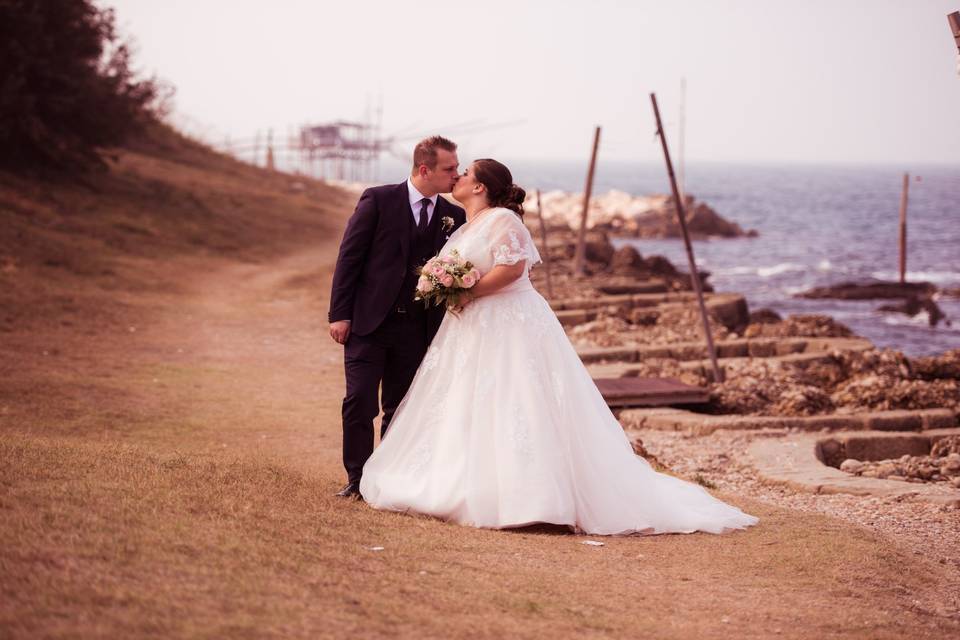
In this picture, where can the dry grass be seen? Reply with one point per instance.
(175, 480)
(115, 540)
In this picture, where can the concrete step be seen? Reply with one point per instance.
(694, 354)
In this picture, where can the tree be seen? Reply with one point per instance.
(67, 91)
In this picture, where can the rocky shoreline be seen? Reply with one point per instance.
(622, 214)
(838, 382)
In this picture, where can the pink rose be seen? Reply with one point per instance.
(437, 270)
(447, 260)
(446, 280)
(475, 274)
(424, 285)
(468, 280)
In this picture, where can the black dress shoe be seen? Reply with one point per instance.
(352, 490)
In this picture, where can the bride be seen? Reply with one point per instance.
(502, 425)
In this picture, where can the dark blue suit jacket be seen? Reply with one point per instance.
(373, 257)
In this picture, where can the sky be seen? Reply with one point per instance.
(818, 81)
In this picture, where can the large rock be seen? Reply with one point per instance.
(704, 221)
(765, 316)
(875, 290)
(730, 310)
(640, 216)
(627, 261)
(597, 248)
(660, 266)
(946, 366)
(851, 466)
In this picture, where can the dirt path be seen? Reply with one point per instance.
(239, 366)
(250, 362)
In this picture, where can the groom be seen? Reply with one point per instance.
(393, 231)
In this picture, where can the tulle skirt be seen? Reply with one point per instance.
(503, 427)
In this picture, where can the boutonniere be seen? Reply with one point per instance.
(447, 223)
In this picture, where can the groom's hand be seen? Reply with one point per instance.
(340, 330)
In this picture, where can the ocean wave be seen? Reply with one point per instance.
(736, 271)
(936, 277)
(777, 269)
(920, 321)
(762, 272)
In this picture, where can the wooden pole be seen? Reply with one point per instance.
(681, 215)
(681, 140)
(545, 254)
(270, 161)
(580, 259)
(903, 228)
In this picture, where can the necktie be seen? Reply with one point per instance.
(422, 222)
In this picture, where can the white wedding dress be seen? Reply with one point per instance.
(503, 426)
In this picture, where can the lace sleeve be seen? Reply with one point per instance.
(510, 241)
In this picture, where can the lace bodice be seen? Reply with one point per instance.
(497, 236)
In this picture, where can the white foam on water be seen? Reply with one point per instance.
(936, 277)
(783, 267)
(922, 319)
(736, 271)
(825, 265)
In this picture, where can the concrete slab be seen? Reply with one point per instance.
(791, 461)
(703, 424)
(877, 445)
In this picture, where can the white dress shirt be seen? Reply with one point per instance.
(415, 198)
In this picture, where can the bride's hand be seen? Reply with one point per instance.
(465, 300)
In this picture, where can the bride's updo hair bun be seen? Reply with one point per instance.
(501, 192)
(515, 197)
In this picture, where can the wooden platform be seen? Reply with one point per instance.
(649, 392)
(615, 287)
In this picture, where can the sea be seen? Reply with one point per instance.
(817, 225)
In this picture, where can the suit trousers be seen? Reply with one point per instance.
(387, 358)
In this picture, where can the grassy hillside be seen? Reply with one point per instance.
(67, 248)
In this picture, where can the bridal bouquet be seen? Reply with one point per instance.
(446, 280)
